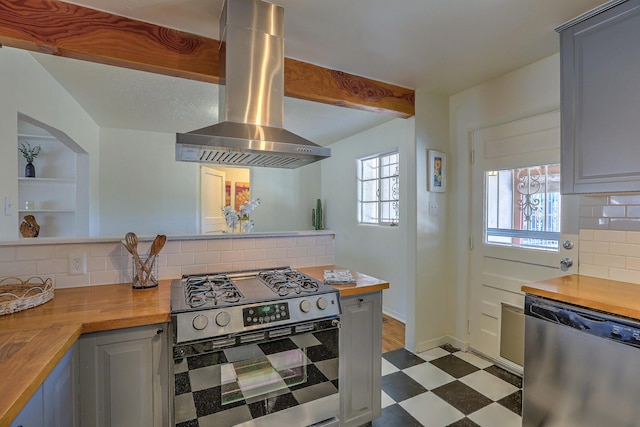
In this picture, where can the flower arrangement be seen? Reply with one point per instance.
(243, 217)
(28, 152)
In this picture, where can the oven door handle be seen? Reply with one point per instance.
(252, 337)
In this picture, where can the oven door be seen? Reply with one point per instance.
(284, 375)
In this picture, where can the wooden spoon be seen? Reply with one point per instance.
(156, 247)
(132, 246)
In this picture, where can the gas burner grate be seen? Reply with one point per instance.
(287, 281)
(210, 290)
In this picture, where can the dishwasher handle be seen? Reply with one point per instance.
(592, 323)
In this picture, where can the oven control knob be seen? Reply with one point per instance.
(223, 318)
(200, 322)
(305, 306)
(322, 303)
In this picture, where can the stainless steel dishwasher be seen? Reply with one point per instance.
(581, 367)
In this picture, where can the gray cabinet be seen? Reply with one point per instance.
(124, 377)
(32, 414)
(54, 404)
(600, 65)
(360, 358)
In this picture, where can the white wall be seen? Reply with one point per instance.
(525, 92)
(378, 251)
(26, 88)
(430, 312)
(287, 197)
(142, 188)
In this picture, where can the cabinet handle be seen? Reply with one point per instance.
(360, 299)
(160, 331)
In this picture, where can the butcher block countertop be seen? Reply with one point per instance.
(32, 342)
(614, 297)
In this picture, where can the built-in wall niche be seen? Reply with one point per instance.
(58, 195)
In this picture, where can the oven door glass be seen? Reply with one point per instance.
(250, 381)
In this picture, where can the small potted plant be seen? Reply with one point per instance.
(29, 153)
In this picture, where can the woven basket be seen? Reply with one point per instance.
(17, 294)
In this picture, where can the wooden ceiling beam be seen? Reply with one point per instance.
(64, 29)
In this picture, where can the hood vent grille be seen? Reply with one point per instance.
(252, 65)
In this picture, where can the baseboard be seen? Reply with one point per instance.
(437, 342)
(391, 313)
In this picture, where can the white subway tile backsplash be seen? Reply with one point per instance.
(7, 254)
(52, 266)
(109, 262)
(297, 252)
(632, 263)
(220, 245)
(231, 256)
(306, 262)
(27, 253)
(277, 253)
(244, 265)
(633, 237)
(610, 211)
(194, 246)
(285, 242)
(586, 234)
(325, 260)
(587, 258)
(624, 249)
(255, 254)
(180, 259)
(594, 223)
(593, 200)
(325, 240)
(624, 224)
(105, 277)
(610, 260)
(306, 241)
(172, 247)
(315, 250)
(96, 263)
(17, 268)
(594, 270)
(195, 268)
(171, 272)
(266, 243)
(623, 275)
(585, 211)
(633, 211)
(207, 257)
(595, 247)
(624, 199)
(609, 236)
(241, 244)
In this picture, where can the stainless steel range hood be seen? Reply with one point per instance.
(252, 65)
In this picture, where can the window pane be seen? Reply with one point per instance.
(370, 212)
(523, 207)
(369, 169)
(379, 189)
(369, 191)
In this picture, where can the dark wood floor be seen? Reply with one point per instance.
(392, 334)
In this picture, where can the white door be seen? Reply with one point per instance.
(212, 185)
(519, 225)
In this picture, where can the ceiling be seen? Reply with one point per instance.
(442, 46)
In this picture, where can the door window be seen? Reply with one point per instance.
(523, 207)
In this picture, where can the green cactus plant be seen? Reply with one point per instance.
(316, 216)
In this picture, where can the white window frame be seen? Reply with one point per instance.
(390, 203)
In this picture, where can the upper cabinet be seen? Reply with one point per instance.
(600, 78)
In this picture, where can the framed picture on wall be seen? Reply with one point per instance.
(436, 171)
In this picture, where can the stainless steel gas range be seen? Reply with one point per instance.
(255, 348)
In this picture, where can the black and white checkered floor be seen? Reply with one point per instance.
(447, 387)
